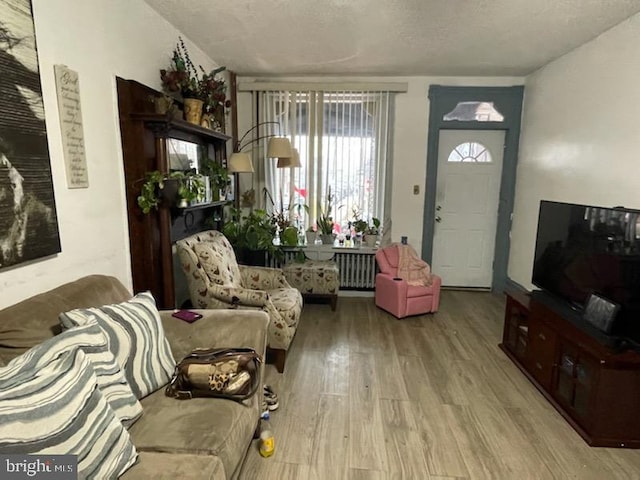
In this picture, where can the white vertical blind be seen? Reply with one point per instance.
(342, 138)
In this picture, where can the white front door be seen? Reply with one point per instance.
(467, 194)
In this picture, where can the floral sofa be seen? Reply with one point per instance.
(215, 280)
(201, 438)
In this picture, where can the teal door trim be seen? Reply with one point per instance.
(508, 101)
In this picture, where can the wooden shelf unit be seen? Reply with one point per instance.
(592, 384)
(151, 236)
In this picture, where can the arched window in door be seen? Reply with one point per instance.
(470, 152)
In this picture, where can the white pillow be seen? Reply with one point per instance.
(136, 338)
(93, 342)
(58, 410)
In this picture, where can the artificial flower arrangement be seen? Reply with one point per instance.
(195, 82)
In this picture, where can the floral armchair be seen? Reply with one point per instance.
(215, 280)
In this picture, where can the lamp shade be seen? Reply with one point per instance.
(240, 162)
(279, 147)
(293, 162)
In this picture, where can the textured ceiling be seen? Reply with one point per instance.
(391, 37)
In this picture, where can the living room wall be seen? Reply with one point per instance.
(410, 133)
(579, 135)
(99, 40)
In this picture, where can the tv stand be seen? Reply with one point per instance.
(592, 384)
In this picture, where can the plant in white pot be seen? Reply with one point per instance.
(360, 226)
(311, 235)
(325, 220)
(371, 232)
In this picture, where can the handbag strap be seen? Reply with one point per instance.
(214, 354)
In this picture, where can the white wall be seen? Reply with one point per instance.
(99, 40)
(580, 132)
(409, 140)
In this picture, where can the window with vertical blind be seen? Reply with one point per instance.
(342, 138)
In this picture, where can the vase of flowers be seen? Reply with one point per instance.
(201, 91)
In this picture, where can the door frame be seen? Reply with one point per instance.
(507, 101)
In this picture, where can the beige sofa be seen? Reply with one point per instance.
(202, 438)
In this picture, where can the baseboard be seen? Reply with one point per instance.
(356, 293)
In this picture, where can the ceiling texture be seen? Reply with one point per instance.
(391, 37)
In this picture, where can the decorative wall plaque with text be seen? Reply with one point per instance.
(68, 88)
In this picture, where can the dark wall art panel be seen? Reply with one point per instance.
(28, 223)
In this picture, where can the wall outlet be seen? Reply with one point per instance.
(416, 189)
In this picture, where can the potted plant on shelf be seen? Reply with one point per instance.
(371, 232)
(359, 226)
(311, 235)
(289, 236)
(175, 188)
(218, 178)
(191, 190)
(325, 227)
(325, 220)
(280, 214)
(198, 87)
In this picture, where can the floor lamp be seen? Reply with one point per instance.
(240, 162)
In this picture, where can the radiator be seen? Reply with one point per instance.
(357, 268)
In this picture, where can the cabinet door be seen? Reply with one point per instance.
(516, 328)
(541, 352)
(575, 380)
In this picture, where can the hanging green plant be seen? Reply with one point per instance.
(190, 188)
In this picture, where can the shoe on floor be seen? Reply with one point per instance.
(272, 404)
(270, 398)
(268, 392)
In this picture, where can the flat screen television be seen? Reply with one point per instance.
(585, 250)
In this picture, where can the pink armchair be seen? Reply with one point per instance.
(395, 295)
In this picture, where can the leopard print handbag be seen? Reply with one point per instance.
(231, 373)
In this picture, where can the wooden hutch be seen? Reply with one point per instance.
(146, 141)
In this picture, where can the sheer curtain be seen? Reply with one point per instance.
(343, 142)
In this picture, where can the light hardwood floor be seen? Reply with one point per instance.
(365, 396)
